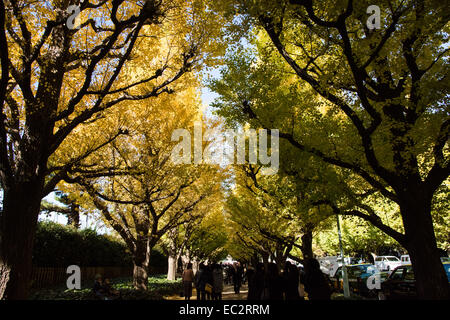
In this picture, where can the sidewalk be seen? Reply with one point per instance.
(227, 294)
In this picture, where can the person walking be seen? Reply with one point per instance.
(188, 278)
(199, 282)
(244, 274)
(229, 274)
(217, 275)
(110, 292)
(315, 282)
(274, 283)
(291, 282)
(237, 277)
(208, 279)
(98, 288)
(249, 274)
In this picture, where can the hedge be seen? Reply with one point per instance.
(60, 246)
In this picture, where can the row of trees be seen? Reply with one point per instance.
(362, 113)
(73, 109)
(367, 107)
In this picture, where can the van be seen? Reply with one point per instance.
(405, 259)
(387, 263)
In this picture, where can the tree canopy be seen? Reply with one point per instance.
(93, 92)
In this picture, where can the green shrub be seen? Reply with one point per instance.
(60, 246)
(158, 262)
(158, 287)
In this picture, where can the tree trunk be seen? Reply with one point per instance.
(18, 226)
(280, 258)
(265, 258)
(185, 261)
(73, 218)
(306, 248)
(141, 261)
(195, 265)
(254, 260)
(140, 276)
(431, 279)
(172, 270)
(279, 262)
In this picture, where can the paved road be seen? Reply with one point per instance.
(227, 294)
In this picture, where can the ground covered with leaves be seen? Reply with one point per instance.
(158, 287)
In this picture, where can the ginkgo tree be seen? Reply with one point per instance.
(149, 195)
(64, 206)
(208, 239)
(372, 102)
(201, 237)
(255, 218)
(279, 208)
(174, 245)
(59, 72)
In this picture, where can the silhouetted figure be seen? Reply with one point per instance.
(208, 279)
(244, 274)
(274, 283)
(229, 274)
(226, 276)
(249, 274)
(256, 283)
(98, 288)
(188, 278)
(316, 284)
(237, 277)
(217, 276)
(200, 283)
(110, 292)
(291, 281)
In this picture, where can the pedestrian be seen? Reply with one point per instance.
(274, 283)
(316, 284)
(208, 279)
(291, 281)
(188, 278)
(98, 288)
(244, 274)
(237, 277)
(110, 292)
(229, 272)
(217, 282)
(250, 275)
(199, 282)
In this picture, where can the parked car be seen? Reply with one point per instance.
(405, 259)
(325, 271)
(401, 283)
(357, 278)
(387, 263)
(295, 263)
(332, 265)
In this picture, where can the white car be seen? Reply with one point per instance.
(329, 265)
(325, 270)
(295, 263)
(405, 259)
(387, 263)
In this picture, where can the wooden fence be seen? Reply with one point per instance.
(47, 277)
